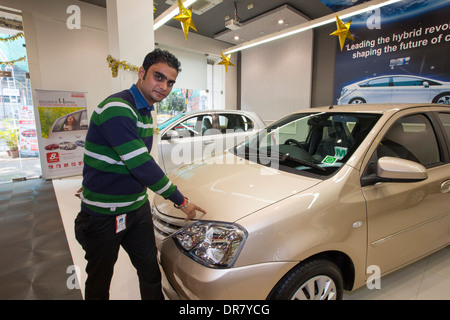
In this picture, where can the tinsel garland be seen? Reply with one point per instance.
(13, 62)
(115, 64)
(13, 38)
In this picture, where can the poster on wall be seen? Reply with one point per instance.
(399, 54)
(28, 142)
(64, 124)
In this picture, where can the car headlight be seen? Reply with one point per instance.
(343, 91)
(212, 244)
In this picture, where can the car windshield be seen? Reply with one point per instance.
(170, 121)
(313, 143)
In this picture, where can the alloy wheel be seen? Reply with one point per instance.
(317, 288)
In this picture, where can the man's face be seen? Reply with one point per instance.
(158, 82)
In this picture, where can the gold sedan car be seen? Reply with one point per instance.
(311, 205)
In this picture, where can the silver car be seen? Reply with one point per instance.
(396, 89)
(311, 205)
(196, 135)
(67, 145)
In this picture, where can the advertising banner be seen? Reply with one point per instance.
(64, 124)
(27, 128)
(399, 55)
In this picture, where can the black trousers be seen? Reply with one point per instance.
(97, 235)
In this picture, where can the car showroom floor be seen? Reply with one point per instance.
(39, 253)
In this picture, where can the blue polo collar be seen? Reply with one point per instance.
(139, 99)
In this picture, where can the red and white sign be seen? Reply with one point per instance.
(64, 124)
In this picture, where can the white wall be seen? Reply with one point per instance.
(193, 68)
(198, 46)
(276, 77)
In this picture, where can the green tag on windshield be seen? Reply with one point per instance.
(329, 160)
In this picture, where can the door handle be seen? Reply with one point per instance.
(208, 142)
(445, 186)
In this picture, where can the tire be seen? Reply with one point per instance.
(357, 101)
(443, 98)
(317, 279)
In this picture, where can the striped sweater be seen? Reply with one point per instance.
(118, 166)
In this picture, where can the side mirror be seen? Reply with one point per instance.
(169, 135)
(426, 84)
(390, 169)
(400, 169)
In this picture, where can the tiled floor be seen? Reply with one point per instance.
(426, 279)
(33, 247)
(35, 253)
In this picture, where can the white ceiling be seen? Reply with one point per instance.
(212, 22)
(264, 24)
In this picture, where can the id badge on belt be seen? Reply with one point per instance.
(121, 222)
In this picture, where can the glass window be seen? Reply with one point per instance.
(381, 82)
(312, 143)
(208, 127)
(445, 119)
(432, 83)
(18, 141)
(84, 122)
(71, 122)
(195, 126)
(407, 81)
(190, 127)
(58, 125)
(234, 122)
(411, 138)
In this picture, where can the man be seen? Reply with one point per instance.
(118, 168)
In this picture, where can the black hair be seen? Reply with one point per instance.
(159, 55)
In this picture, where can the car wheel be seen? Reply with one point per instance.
(318, 279)
(357, 101)
(443, 98)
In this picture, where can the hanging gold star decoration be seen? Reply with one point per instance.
(185, 17)
(226, 61)
(343, 31)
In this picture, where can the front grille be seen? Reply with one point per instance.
(166, 226)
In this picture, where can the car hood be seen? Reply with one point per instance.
(229, 187)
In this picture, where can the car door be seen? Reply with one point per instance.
(410, 89)
(443, 115)
(185, 140)
(212, 138)
(407, 220)
(377, 90)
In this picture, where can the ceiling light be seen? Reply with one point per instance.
(281, 21)
(343, 14)
(236, 38)
(170, 13)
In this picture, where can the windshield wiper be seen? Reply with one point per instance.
(282, 157)
(285, 156)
